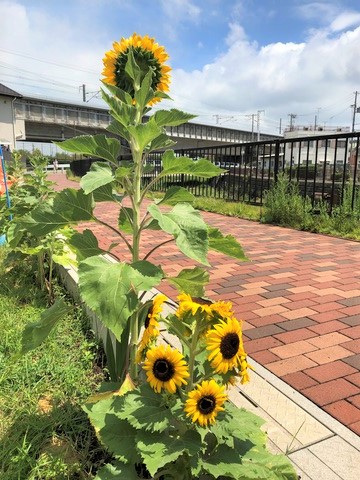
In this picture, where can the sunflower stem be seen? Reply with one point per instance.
(137, 155)
(192, 355)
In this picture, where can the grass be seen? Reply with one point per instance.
(44, 434)
(71, 176)
(231, 209)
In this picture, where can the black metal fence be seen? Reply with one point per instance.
(324, 167)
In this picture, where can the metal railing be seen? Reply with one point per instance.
(322, 166)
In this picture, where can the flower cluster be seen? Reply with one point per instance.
(213, 354)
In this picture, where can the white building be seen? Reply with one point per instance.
(318, 150)
(9, 128)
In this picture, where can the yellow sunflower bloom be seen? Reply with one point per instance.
(148, 55)
(223, 309)
(151, 324)
(205, 402)
(187, 305)
(165, 368)
(225, 344)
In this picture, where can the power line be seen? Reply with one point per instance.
(62, 65)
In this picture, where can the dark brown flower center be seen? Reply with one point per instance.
(229, 345)
(163, 369)
(206, 404)
(147, 319)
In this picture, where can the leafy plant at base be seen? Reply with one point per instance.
(148, 426)
(141, 428)
(28, 191)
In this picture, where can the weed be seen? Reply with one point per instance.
(44, 434)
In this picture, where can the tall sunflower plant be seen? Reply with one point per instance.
(166, 415)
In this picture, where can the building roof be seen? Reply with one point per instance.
(7, 92)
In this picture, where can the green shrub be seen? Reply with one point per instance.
(284, 204)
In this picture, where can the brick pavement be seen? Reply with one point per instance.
(298, 297)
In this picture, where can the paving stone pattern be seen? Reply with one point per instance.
(298, 296)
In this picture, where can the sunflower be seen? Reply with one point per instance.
(225, 344)
(148, 55)
(151, 324)
(222, 309)
(165, 368)
(187, 305)
(204, 402)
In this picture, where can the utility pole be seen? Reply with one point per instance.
(258, 123)
(252, 116)
(292, 117)
(280, 126)
(226, 118)
(316, 118)
(355, 111)
(83, 88)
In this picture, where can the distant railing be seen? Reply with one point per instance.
(323, 167)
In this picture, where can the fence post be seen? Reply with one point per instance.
(276, 160)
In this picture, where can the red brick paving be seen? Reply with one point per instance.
(299, 295)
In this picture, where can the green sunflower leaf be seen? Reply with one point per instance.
(120, 109)
(100, 174)
(85, 244)
(163, 95)
(145, 133)
(14, 234)
(243, 424)
(122, 172)
(126, 216)
(200, 168)
(275, 467)
(70, 206)
(145, 409)
(120, 94)
(145, 93)
(104, 194)
(107, 289)
(158, 450)
(176, 195)
(35, 333)
(96, 145)
(225, 461)
(191, 281)
(119, 129)
(225, 244)
(172, 118)
(117, 435)
(117, 471)
(187, 227)
(150, 274)
(111, 289)
(97, 411)
(131, 67)
(162, 141)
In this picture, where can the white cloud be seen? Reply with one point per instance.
(323, 11)
(30, 34)
(179, 10)
(345, 20)
(236, 34)
(279, 78)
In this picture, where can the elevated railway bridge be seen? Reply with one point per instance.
(43, 120)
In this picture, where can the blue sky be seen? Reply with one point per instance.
(230, 58)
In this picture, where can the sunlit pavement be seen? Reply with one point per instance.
(298, 297)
